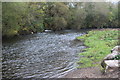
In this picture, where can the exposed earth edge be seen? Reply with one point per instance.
(93, 72)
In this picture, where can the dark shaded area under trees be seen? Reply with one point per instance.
(19, 18)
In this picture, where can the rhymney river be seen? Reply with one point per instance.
(41, 55)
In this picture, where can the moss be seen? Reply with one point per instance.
(100, 42)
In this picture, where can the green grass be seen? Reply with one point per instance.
(100, 43)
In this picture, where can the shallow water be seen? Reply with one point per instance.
(41, 55)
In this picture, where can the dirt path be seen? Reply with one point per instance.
(93, 72)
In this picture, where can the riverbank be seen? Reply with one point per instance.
(93, 72)
(99, 43)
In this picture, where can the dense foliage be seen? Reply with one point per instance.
(99, 45)
(24, 18)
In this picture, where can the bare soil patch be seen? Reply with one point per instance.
(93, 72)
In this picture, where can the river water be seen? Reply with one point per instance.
(41, 55)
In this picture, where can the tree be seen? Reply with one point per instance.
(34, 19)
(56, 16)
(12, 17)
(22, 18)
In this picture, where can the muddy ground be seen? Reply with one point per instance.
(93, 72)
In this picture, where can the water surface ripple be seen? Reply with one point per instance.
(41, 55)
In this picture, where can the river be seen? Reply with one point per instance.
(41, 55)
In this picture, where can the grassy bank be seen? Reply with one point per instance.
(99, 43)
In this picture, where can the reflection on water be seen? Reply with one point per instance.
(41, 55)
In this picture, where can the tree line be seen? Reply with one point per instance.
(19, 18)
